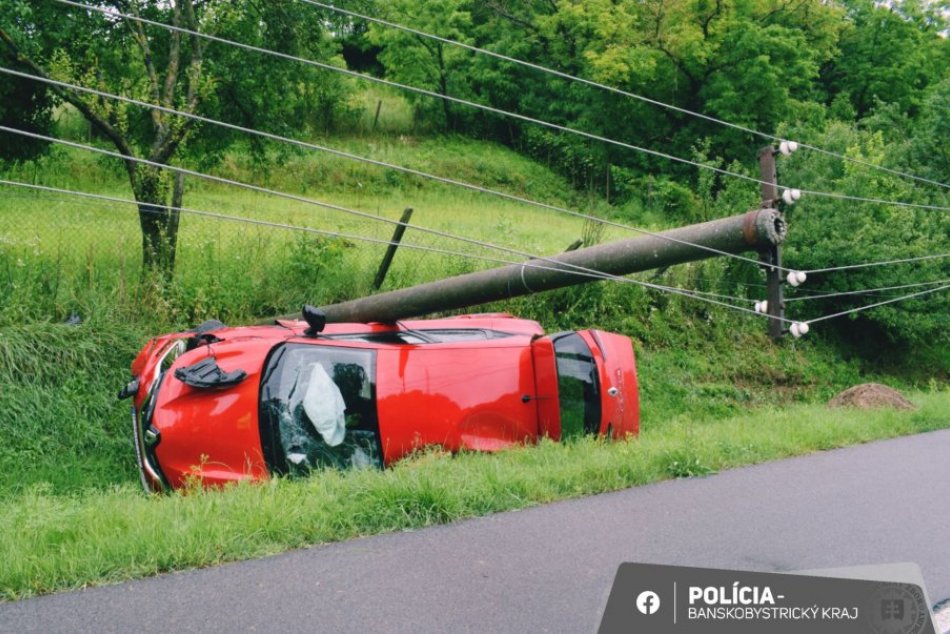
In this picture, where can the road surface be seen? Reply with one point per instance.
(550, 568)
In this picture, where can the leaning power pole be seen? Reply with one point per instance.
(759, 230)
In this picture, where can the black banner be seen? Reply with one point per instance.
(660, 599)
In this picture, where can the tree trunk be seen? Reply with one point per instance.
(159, 222)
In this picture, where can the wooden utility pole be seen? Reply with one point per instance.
(758, 230)
(772, 255)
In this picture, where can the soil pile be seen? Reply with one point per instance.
(871, 396)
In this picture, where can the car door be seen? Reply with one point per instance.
(478, 396)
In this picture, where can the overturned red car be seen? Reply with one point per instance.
(222, 404)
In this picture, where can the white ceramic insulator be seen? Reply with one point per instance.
(801, 276)
(799, 329)
(792, 278)
(784, 148)
(787, 197)
(796, 194)
(792, 146)
(762, 307)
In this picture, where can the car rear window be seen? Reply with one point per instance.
(578, 386)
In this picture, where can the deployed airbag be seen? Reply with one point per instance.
(324, 406)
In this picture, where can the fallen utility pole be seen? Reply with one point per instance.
(758, 230)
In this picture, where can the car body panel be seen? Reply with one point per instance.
(620, 401)
(456, 397)
(545, 381)
(475, 382)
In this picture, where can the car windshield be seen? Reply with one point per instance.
(318, 409)
(577, 385)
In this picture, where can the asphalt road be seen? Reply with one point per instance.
(550, 568)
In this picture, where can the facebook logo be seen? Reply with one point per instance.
(648, 602)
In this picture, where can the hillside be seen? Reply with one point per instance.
(79, 258)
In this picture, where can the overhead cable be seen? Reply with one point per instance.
(580, 271)
(833, 294)
(865, 265)
(870, 306)
(612, 89)
(491, 109)
(378, 163)
(557, 265)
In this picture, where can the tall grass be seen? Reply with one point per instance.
(53, 542)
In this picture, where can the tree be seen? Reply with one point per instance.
(828, 232)
(26, 105)
(889, 53)
(178, 70)
(752, 62)
(423, 62)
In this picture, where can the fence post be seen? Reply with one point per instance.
(391, 249)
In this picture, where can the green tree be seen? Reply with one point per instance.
(26, 105)
(928, 145)
(175, 70)
(423, 62)
(752, 62)
(890, 53)
(828, 232)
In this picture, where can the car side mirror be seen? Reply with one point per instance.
(315, 318)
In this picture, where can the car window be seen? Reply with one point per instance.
(318, 409)
(578, 386)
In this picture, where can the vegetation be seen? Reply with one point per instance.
(76, 303)
(56, 542)
(171, 69)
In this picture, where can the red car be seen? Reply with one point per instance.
(223, 404)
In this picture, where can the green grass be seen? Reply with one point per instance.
(53, 542)
(715, 392)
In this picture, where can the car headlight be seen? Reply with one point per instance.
(147, 436)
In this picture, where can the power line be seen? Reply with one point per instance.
(580, 271)
(415, 89)
(612, 89)
(884, 263)
(731, 298)
(874, 201)
(378, 163)
(889, 301)
(219, 179)
(254, 221)
(491, 109)
(832, 294)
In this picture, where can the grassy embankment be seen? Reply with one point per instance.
(715, 392)
(53, 542)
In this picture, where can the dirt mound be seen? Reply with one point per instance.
(871, 396)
